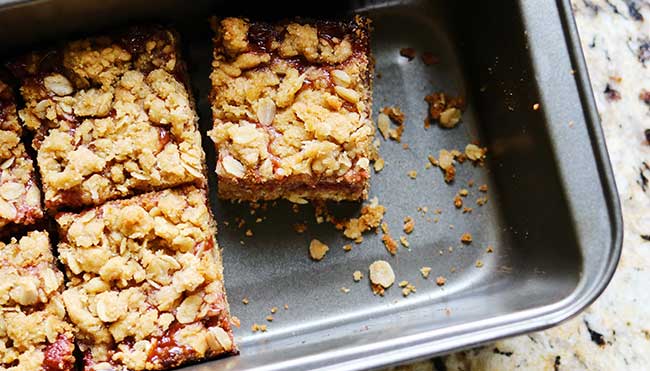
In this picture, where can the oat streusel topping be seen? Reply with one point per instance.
(112, 117)
(20, 198)
(291, 104)
(34, 334)
(146, 286)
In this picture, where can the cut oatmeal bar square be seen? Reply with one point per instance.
(112, 117)
(20, 198)
(146, 286)
(34, 332)
(291, 104)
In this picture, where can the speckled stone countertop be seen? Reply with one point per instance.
(614, 333)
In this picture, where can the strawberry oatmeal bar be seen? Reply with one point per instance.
(291, 103)
(112, 117)
(20, 198)
(34, 334)
(146, 287)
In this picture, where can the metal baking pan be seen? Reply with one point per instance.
(553, 214)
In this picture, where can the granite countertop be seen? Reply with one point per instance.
(614, 332)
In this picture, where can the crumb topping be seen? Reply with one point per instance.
(146, 280)
(30, 294)
(292, 107)
(111, 117)
(20, 198)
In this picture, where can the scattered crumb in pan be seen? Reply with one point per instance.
(475, 153)
(470, 183)
(383, 124)
(249, 233)
(274, 310)
(425, 271)
(409, 224)
(390, 243)
(263, 328)
(446, 160)
(234, 320)
(463, 192)
(245, 301)
(481, 201)
(269, 318)
(347, 247)
(428, 58)
(437, 211)
(345, 290)
(479, 263)
(395, 114)
(357, 276)
(405, 146)
(379, 165)
(317, 249)
(445, 109)
(407, 53)
(255, 328)
(384, 227)
(407, 289)
(286, 307)
(259, 220)
(371, 216)
(467, 210)
(489, 249)
(535, 106)
(381, 276)
(483, 188)
(404, 241)
(440, 281)
(450, 249)
(466, 238)
(458, 202)
(300, 227)
(412, 174)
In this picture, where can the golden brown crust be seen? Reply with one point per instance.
(146, 285)
(20, 198)
(112, 117)
(34, 333)
(291, 104)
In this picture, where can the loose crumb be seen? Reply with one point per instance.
(481, 201)
(286, 307)
(408, 289)
(535, 106)
(412, 174)
(395, 114)
(345, 290)
(263, 328)
(470, 183)
(300, 227)
(249, 233)
(429, 59)
(317, 249)
(384, 227)
(381, 276)
(235, 321)
(357, 276)
(274, 310)
(403, 283)
(407, 53)
(458, 202)
(445, 109)
(390, 243)
(475, 153)
(479, 264)
(489, 249)
(383, 124)
(379, 165)
(467, 210)
(245, 301)
(269, 318)
(425, 271)
(255, 327)
(371, 216)
(404, 241)
(483, 188)
(347, 247)
(440, 281)
(463, 192)
(466, 238)
(409, 224)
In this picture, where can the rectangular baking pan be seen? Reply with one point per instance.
(553, 214)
